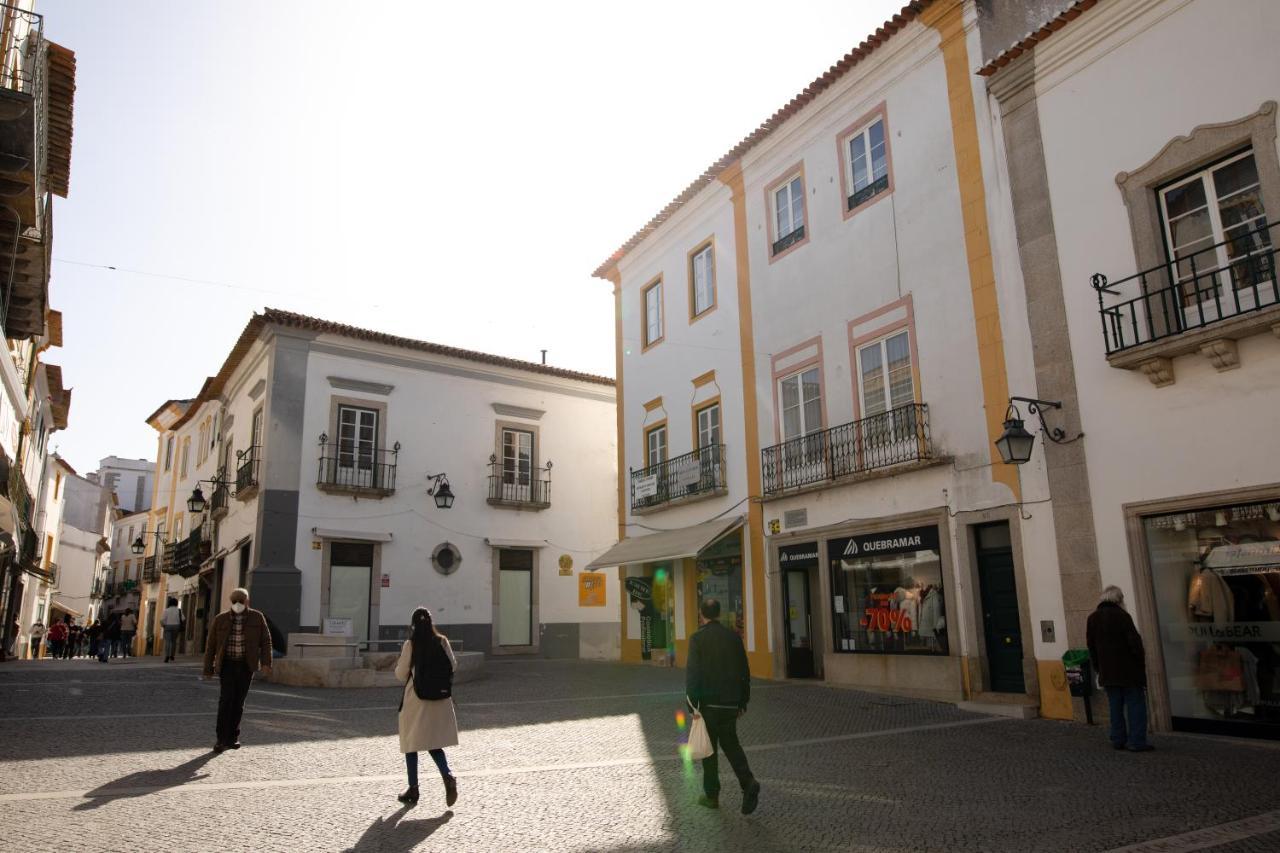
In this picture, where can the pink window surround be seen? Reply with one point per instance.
(906, 320)
(880, 111)
(783, 365)
(770, 214)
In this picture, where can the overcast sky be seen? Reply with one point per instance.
(449, 172)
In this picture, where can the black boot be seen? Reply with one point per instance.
(410, 796)
(450, 790)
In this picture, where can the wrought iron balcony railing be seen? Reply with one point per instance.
(345, 467)
(895, 437)
(523, 487)
(21, 42)
(701, 472)
(221, 497)
(868, 192)
(247, 470)
(788, 240)
(98, 588)
(150, 572)
(1230, 279)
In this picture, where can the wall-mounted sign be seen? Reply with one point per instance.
(775, 527)
(890, 542)
(386, 580)
(316, 544)
(566, 565)
(645, 487)
(640, 588)
(340, 627)
(591, 589)
(798, 556)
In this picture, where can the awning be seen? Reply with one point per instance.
(357, 535)
(667, 545)
(515, 543)
(1246, 558)
(58, 605)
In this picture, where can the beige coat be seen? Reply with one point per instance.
(425, 724)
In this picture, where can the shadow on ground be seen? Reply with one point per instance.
(145, 782)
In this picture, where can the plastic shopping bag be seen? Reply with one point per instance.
(699, 739)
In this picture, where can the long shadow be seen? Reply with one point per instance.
(145, 782)
(395, 833)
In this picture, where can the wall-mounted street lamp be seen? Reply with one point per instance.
(1015, 442)
(139, 545)
(439, 489)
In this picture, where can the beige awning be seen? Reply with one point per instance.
(667, 545)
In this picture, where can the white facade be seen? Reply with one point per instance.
(132, 480)
(346, 529)
(125, 574)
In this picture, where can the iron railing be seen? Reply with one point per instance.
(894, 437)
(99, 588)
(184, 556)
(1226, 280)
(509, 483)
(150, 573)
(696, 473)
(870, 191)
(220, 499)
(247, 468)
(346, 466)
(168, 562)
(787, 240)
(21, 42)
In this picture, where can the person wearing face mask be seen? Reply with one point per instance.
(239, 645)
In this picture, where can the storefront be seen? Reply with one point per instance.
(1215, 572)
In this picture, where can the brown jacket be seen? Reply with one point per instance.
(257, 641)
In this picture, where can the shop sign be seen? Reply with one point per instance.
(905, 541)
(798, 556)
(591, 589)
(566, 566)
(640, 589)
(386, 581)
(1246, 558)
(339, 627)
(882, 615)
(1224, 632)
(645, 487)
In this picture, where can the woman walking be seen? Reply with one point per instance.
(427, 719)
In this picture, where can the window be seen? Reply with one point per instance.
(517, 461)
(131, 537)
(866, 158)
(357, 445)
(202, 443)
(168, 454)
(708, 425)
(1214, 222)
(57, 483)
(702, 280)
(255, 431)
(655, 441)
(788, 213)
(186, 458)
(890, 426)
(801, 404)
(653, 329)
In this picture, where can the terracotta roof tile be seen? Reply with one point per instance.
(906, 15)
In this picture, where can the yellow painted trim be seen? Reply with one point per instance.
(616, 278)
(761, 660)
(705, 379)
(947, 17)
(1055, 695)
(655, 403)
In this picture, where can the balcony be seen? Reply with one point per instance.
(519, 487)
(247, 472)
(183, 556)
(168, 558)
(99, 588)
(848, 452)
(684, 479)
(346, 469)
(221, 497)
(1201, 303)
(788, 240)
(150, 573)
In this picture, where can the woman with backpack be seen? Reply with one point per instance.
(427, 719)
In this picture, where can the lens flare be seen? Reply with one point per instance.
(682, 720)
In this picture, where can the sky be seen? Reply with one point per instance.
(446, 172)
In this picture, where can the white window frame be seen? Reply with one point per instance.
(798, 377)
(358, 461)
(793, 187)
(709, 428)
(895, 426)
(655, 453)
(703, 285)
(864, 133)
(517, 468)
(168, 454)
(653, 318)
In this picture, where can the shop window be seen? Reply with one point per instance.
(1216, 575)
(720, 577)
(887, 593)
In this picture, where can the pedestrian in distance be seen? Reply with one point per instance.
(718, 687)
(55, 638)
(37, 637)
(428, 721)
(128, 627)
(1115, 647)
(171, 620)
(73, 639)
(98, 641)
(239, 645)
(113, 634)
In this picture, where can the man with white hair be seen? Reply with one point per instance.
(239, 645)
(1120, 661)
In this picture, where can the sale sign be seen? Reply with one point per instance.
(882, 616)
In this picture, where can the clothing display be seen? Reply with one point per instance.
(932, 621)
(1210, 598)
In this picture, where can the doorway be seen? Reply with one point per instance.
(515, 597)
(799, 624)
(1001, 619)
(350, 582)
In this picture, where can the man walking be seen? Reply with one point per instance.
(1120, 661)
(718, 684)
(239, 644)
(128, 627)
(171, 620)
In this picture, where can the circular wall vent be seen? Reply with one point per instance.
(446, 558)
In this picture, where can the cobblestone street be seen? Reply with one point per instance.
(582, 756)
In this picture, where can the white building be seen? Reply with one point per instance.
(83, 549)
(125, 573)
(314, 445)
(1126, 154)
(132, 480)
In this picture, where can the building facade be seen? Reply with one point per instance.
(314, 448)
(130, 479)
(83, 547)
(124, 581)
(1150, 263)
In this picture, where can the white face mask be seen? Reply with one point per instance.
(238, 607)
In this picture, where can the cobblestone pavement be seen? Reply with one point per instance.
(582, 756)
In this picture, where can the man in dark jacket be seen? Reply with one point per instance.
(1120, 661)
(718, 684)
(239, 644)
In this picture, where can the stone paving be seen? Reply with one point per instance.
(582, 756)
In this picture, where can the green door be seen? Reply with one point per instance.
(1001, 621)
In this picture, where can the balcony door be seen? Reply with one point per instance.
(803, 456)
(517, 465)
(357, 447)
(1215, 230)
(886, 386)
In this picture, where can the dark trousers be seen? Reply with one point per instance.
(1130, 703)
(236, 678)
(722, 727)
(411, 764)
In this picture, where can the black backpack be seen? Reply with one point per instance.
(436, 681)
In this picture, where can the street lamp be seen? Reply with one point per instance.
(1015, 442)
(139, 546)
(439, 489)
(196, 503)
